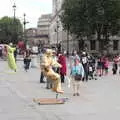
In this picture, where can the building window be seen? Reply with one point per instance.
(93, 45)
(115, 44)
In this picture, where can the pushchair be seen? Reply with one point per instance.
(91, 72)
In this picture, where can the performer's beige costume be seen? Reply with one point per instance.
(48, 63)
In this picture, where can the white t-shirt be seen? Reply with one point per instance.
(84, 60)
(35, 49)
(90, 69)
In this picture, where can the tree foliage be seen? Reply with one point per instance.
(10, 30)
(87, 17)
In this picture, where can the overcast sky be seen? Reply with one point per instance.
(32, 8)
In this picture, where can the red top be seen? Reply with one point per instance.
(62, 61)
(116, 59)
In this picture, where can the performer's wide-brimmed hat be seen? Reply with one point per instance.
(49, 52)
(11, 44)
(84, 53)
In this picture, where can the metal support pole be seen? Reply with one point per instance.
(14, 9)
(68, 42)
(49, 33)
(57, 23)
(57, 32)
(14, 34)
(24, 23)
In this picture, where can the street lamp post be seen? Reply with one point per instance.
(68, 42)
(57, 32)
(14, 33)
(57, 23)
(24, 23)
(14, 9)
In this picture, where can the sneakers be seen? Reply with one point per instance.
(76, 94)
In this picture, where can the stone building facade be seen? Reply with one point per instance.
(31, 34)
(43, 28)
(92, 45)
(39, 35)
(57, 34)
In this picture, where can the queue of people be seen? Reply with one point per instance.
(82, 67)
(55, 66)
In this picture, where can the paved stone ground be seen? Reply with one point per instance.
(99, 100)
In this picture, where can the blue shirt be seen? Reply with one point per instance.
(78, 69)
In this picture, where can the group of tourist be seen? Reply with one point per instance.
(9, 52)
(56, 66)
(82, 67)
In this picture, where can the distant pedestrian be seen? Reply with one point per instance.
(27, 59)
(34, 63)
(99, 67)
(63, 69)
(1, 51)
(106, 65)
(115, 65)
(103, 64)
(76, 56)
(41, 68)
(15, 52)
(114, 69)
(84, 59)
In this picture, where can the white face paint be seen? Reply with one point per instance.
(84, 53)
(11, 44)
(75, 52)
(65, 52)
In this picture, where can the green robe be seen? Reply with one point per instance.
(11, 58)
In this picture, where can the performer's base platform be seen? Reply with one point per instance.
(50, 101)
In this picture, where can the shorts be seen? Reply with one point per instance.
(75, 82)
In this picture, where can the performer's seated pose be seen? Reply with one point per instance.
(46, 67)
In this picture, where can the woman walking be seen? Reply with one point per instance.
(115, 65)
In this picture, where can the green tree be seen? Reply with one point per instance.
(88, 17)
(11, 30)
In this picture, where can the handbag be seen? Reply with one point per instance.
(78, 77)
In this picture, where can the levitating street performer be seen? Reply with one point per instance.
(48, 63)
(10, 57)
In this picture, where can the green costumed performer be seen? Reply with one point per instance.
(10, 56)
